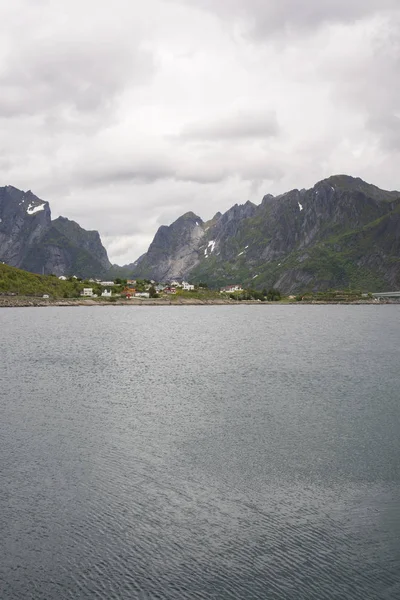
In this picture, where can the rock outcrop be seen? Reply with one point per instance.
(175, 250)
(30, 240)
(24, 219)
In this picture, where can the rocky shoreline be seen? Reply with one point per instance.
(29, 302)
(15, 302)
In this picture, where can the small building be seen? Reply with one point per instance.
(128, 292)
(174, 284)
(131, 281)
(106, 294)
(62, 278)
(142, 295)
(106, 283)
(229, 289)
(170, 290)
(46, 296)
(87, 292)
(187, 286)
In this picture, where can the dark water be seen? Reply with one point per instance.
(200, 452)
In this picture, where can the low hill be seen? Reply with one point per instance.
(22, 283)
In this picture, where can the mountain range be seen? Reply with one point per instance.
(341, 233)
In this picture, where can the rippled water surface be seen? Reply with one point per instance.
(200, 452)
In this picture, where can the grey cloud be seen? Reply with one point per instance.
(240, 126)
(206, 168)
(144, 173)
(123, 246)
(85, 76)
(369, 83)
(212, 168)
(265, 17)
(70, 69)
(387, 127)
(151, 173)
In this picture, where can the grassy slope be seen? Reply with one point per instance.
(20, 282)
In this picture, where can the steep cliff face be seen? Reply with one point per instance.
(174, 250)
(341, 232)
(56, 253)
(85, 240)
(24, 218)
(29, 239)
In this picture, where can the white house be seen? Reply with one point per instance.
(231, 288)
(187, 286)
(62, 278)
(142, 295)
(175, 284)
(106, 294)
(87, 292)
(106, 283)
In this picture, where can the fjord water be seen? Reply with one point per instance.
(244, 452)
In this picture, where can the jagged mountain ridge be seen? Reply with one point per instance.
(30, 240)
(342, 232)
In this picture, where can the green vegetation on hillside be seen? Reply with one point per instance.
(23, 283)
(358, 258)
(333, 296)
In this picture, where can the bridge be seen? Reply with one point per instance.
(383, 295)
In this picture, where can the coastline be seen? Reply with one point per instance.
(31, 302)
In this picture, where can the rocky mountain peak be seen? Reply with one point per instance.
(189, 217)
(23, 220)
(346, 184)
(88, 240)
(29, 239)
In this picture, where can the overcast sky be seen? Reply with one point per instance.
(126, 114)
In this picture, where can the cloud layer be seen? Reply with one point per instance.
(124, 121)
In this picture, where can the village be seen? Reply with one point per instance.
(135, 288)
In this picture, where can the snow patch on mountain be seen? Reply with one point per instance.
(31, 210)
